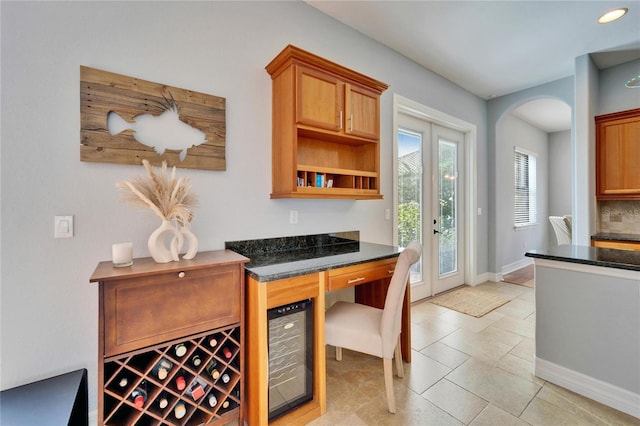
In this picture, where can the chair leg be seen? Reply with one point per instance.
(338, 353)
(388, 384)
(398, 356)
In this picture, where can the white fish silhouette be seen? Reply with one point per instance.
(160, 132)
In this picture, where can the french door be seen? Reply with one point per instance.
(430, 203)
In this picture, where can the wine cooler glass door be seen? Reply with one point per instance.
(290, 357)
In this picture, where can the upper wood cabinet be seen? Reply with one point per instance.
(326, 129)
(618, 155)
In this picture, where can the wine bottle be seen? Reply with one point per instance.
(163, 401)
(179, 410)
(139, 395)
(123, 382)
(225, 378)
(180, 349)
(162, 368)
(213, 342)
(181, 383)
(213, 401)
(226, 352)
(225, 404)
(211, 369)
(196, 360)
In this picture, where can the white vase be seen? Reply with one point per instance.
(188, 238)
(161, 244)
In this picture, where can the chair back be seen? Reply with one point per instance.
(562, 231)
(391, 316)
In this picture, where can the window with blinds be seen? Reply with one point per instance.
(525, 213)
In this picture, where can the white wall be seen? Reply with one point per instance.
(559, 177)
(498, 108)
(582, 318)
(48, 308)
(583, 151)
(612, 93)
(514, 243)
(560, 173)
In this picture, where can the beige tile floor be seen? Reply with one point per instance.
(464, 371)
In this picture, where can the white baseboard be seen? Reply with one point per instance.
(482, 278)
(606, 393)
(516, 265)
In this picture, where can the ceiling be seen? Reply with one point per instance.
(493, 48)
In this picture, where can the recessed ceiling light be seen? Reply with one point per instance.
(612, 15)
(634, 83)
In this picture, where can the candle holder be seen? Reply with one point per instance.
(122, 254)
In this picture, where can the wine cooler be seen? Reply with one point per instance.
(290, 357)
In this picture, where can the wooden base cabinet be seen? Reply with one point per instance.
(170, 341)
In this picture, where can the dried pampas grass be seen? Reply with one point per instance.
(166, 196)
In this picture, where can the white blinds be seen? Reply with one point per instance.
(525, 187)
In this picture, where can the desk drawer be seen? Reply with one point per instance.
(615, 244)
(360, 274)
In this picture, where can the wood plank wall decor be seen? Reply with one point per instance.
(125, 120)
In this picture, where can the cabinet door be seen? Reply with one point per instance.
(618, 159)
(144, 311)
(318, 99)
(362, 112)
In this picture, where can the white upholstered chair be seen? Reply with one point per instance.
(561, 226)
(371, 330)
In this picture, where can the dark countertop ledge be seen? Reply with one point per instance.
(287, 268)
(609, 258)
(278, 258)
(633, 238)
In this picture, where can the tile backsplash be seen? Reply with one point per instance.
(621, 217)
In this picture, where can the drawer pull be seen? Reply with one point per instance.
(390, 272)
(181, 274)
(355, 280)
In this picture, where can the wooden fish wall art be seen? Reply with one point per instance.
(125, 120)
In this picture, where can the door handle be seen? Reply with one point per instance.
(435, 231)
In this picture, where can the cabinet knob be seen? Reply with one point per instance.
(181, 274)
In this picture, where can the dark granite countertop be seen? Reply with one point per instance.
(278, 258)
(634, 238)
(610, 258)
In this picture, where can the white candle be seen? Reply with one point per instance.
(122, 254)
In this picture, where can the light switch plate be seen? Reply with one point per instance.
(63, 227)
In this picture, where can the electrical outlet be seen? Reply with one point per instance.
(387, 214)
(293, 217)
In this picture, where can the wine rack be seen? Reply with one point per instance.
(125, 373)
(170, 341)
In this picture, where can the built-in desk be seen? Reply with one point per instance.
(275, 278)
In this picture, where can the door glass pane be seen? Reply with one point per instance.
(448, 208)
(410, 193)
